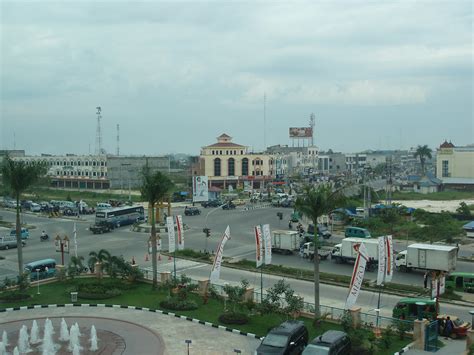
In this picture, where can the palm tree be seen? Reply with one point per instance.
(18, 176)
(423, 152)
(101, 257)
(315, 202)
(155, 187)
(76, 266)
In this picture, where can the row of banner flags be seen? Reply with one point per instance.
(172, 235)
(385, 267)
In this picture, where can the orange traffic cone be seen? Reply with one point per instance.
(146, 257)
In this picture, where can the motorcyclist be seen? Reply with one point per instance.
(44, 236)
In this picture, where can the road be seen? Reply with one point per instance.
(130, 244)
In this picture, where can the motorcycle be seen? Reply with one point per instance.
(44, 237)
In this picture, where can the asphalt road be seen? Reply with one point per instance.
(130, 244)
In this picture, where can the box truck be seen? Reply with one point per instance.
(427, 257)
(285, 242)
(346, 251)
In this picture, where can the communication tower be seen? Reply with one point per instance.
(98, 133)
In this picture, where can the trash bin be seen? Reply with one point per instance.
(73, 296)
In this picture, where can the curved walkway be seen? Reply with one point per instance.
(171, 331)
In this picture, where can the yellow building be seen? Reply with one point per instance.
(455, 165)
(226, 163)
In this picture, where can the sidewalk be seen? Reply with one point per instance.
(451, 347)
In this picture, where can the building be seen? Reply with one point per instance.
(226, 163)
(96, 171)
(294, 160)
(331, 163)
(455, 166)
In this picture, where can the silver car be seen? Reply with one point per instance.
(9, 242)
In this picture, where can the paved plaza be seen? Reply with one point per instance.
(133, 332)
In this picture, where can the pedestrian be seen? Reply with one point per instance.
(457, 249)
(290, 226)
(448, 328)
(133, 260)
(425, 280)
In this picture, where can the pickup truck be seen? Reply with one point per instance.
(308, 252)
(102, 227)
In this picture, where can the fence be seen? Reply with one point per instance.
(327, 312)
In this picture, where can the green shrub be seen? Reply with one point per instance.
(233, 318)
(99, 296)
(13, 296)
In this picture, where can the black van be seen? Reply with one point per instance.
(332, 342)
(289, 338)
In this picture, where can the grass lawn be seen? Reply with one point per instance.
(142, 295)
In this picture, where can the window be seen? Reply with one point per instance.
(231, 167)
(217, 167)
(445, 168)
(245, 167)
(220, 152)
(212, 152)
(241, 152)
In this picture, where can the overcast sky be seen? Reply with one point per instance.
(175, 75)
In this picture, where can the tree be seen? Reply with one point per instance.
(315, 202)
(17, 177)
(423, 152)
(235, 294)
(102, 257)
(155, 187)
(281, 299)
(76, 266)
(463, 209)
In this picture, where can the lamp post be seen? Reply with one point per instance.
(38, 280)
(62, 246)
(188, 341)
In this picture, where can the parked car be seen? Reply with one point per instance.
(35, 207)
(25, 233)
(239, 202)
(332, 342)
(288, 338)
(228, 206)
(191, 211)
(9, 242)
(460, 327)
(211, 203)
(46, 206)
(287, 203)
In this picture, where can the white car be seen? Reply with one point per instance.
(35, 207)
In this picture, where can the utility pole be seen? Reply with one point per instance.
(98, 133)
(264, 121)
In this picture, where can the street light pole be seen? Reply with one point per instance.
(38, 280)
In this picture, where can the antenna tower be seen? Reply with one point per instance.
(118, 139)
(264, 121)
(312, 123)
(98, 133)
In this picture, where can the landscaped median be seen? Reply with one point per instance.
(209, 307)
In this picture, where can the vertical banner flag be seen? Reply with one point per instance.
(381, 270)
(258, 246)
(267, 240)
(75, 239)
(216, 266)
(357, 275)
(179, 226)
(389, 258)
(200, 189)
(171, 239)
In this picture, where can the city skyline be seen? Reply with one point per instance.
(174, 77)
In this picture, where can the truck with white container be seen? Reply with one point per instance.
(285, 241)
(427, 257)
(346, 252)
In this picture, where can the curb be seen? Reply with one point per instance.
(405, 349)
(144, 309)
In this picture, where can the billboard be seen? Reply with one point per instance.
(200, 190)
(301, 132)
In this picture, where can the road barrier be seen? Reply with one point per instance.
(54, 214)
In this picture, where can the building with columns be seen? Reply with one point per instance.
(455, 166)
(226, 163)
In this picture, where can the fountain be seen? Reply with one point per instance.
(16, 351)
(78, 330)
(3, 349)
(48, 326)
(93, 339)
(23, 342)
(48, 343)
(76, 350)
(74, 337)
(64, 332)
(34, 333)
(5, 338)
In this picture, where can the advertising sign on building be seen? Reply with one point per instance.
(200, 189)
(301, 132)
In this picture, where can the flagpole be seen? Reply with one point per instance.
(382, 285)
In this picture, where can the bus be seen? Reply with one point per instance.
(120, 216)
(45, 268)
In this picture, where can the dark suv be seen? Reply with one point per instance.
(228, 206)
(212, 203)
(289, 338)
(191, 211)
(332, 342)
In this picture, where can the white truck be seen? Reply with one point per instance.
(427, 257)
(285, 242)
(308, 252)
(345, 252)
